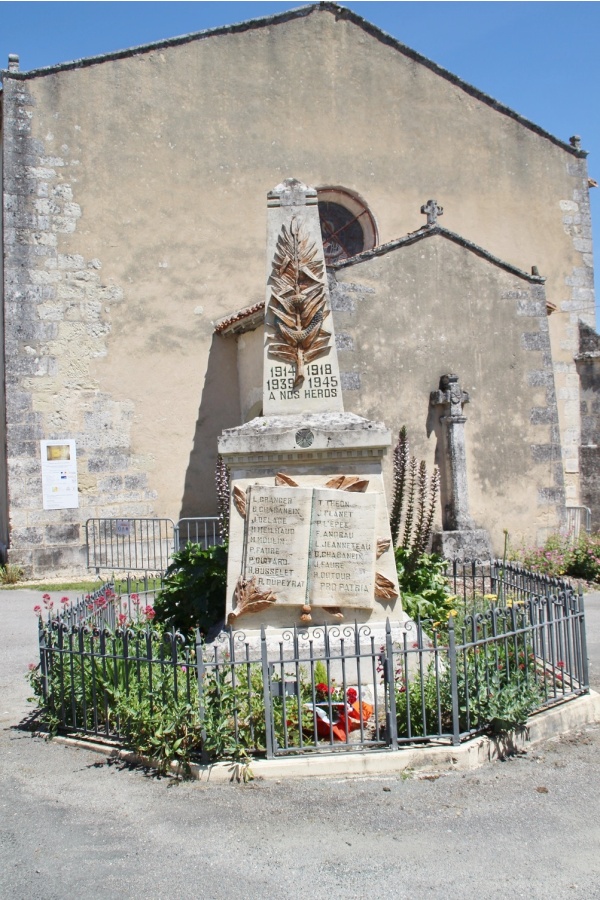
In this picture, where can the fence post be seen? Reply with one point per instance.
(584, 655)
(267, 694)
(388, 668)
(200, 678)
(453, 682)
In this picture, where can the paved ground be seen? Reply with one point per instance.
(73, 825)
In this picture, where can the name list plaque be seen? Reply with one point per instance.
(311, 546)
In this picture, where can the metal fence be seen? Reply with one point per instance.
(144, 545)
(579, 518)
(324, 689)
(129, 544)
(200, 530)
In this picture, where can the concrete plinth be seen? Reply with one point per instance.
(466, 544)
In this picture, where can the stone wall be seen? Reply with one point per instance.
(588, 366)
(435, 306)
(56, 307)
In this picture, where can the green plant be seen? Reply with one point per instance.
(10, 574)
(161, 727)
(498, 687)
(193, 595)
(561, 556)
(424, 586)
(413, 501)
(222, 485)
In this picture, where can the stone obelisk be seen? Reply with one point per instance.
(310, 539)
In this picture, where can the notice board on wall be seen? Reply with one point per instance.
(59, 474)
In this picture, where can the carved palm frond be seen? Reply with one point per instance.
(239, 499)
(250, 599)
(297, 300)
(383, 544)
(384, 588)
(348, 483)
(282, 479)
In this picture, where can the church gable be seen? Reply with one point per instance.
(134, 188)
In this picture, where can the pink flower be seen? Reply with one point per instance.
(135, 599)
(183, 668)
(51, 605)
(37, 610)
(32, 667)
(64, 600)
(122, 618)
(149, 612)
(45, 596)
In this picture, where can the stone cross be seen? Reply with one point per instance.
(432, 211)
(455, 496)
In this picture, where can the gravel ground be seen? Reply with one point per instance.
(72, 823)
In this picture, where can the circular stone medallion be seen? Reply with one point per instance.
(304, 437)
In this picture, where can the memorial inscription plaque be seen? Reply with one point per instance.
(311, 546)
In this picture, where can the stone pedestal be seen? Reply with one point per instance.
(310, 539)
(473, 543)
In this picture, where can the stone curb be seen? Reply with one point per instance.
(569, 716)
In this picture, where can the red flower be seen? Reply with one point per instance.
(64, 600)
(135, 599)
(560, 664)
(37, 610)
(45, 596)
(352, 695)
(149, 612)
(122, 618)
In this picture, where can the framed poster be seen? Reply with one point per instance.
(59, 474)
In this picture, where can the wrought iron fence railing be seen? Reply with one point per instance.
(104, 662)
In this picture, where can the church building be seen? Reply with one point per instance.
(457, 237)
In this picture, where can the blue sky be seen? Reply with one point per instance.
(542, 59)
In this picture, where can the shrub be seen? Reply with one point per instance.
(10, 573)
(193, 595)
(561, 556)
(424, 586)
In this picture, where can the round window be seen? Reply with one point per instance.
(347, 225)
